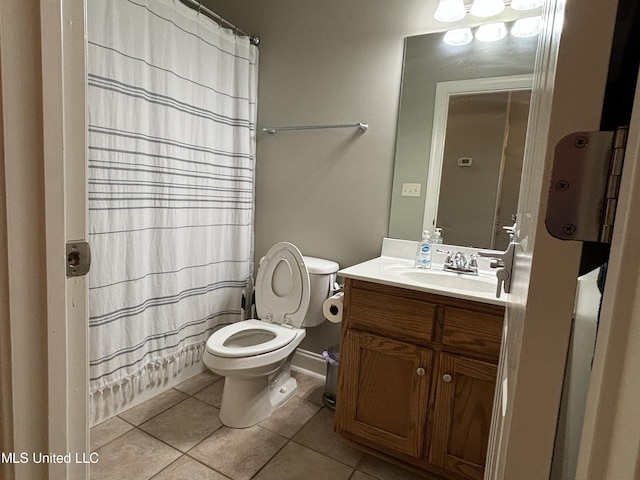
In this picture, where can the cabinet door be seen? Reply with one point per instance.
(383, 391)
(462, 415)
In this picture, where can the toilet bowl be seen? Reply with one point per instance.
(255, 355)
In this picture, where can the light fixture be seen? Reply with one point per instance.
(486, 8)
(526, 4)
(450, 11)
(491, 32)
(459, 36)
(526, 27)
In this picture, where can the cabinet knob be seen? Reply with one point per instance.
(446, 378)
(420, 372)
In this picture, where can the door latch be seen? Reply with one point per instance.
(78, 258)
(503, 262)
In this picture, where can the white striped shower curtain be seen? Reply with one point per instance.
(172, 115)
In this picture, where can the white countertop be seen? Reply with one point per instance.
(394, 269)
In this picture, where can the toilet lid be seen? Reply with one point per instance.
(282, 286)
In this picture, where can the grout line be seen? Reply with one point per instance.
(316, 451)
(187, 454)
(272, 456)
(204, 464)
(154, 416)
(156, 474)
(116, 438)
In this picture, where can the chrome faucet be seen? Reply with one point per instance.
(459, 263)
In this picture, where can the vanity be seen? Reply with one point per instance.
(419, 360)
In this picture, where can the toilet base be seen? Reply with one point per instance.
(248, 401)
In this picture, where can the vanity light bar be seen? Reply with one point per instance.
(454, 10)
(522, 28)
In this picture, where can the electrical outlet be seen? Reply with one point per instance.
(410, 189)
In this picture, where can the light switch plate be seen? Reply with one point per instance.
(410, 189)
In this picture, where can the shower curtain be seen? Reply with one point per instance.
(172, 114)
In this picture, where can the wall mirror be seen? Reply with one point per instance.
(480, 79)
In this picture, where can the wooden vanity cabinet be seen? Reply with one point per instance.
(417, 378)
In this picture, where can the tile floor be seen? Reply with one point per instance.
(178, 435)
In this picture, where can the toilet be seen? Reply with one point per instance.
(255, 355)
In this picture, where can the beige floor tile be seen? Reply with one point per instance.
(309, 388)
(185, 424)
(384, 471)
(108, 430)
(290, 417)
(158, 404)
(295, 462)
(238, 453)
(186, 467)
(134, 455)
(212, 394)
(318, 435)
(198, 382)
(357, 475)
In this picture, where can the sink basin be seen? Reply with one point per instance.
(458, 281)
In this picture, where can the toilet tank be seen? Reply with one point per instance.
(322, 276)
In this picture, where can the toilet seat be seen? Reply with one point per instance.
(217, 344)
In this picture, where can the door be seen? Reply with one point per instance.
(462, 415)
(569, 85)
(64, 104)
(610, 446)
(381, 365)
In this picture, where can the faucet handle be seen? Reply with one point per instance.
(449, 253)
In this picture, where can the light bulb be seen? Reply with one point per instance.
(450, 11)
(526, 4)
(491, 32)
(526, 27)
(459, 36)
(486, 8)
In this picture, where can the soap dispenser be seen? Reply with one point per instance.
(423, 253)
(437, 237)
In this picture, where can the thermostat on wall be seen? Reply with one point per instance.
(465, 162)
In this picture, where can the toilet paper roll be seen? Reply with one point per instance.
(332, 308)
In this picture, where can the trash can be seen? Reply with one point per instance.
(332, 357)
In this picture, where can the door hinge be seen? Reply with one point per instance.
(585, 183)
(78, 258)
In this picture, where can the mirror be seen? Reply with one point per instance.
(429, 65)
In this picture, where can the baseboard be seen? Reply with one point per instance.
(309, 363)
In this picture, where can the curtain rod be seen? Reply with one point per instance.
(197, 5)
